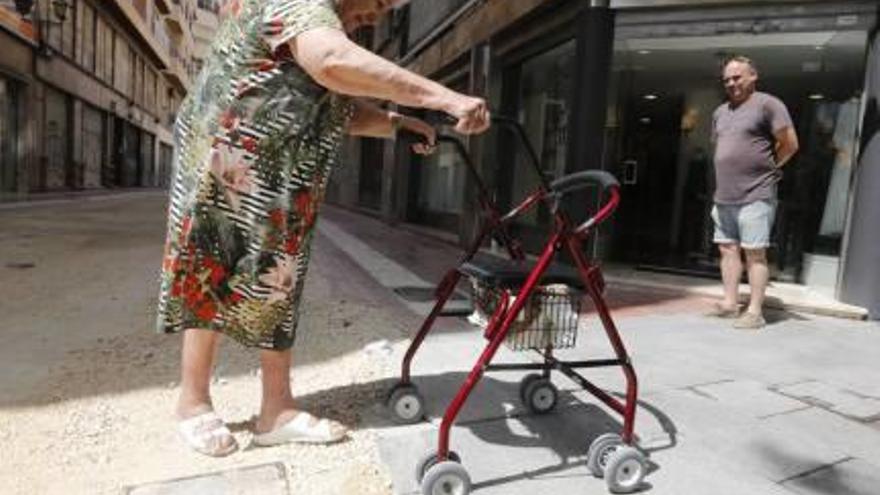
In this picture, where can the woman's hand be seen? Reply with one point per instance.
(471, 112)
(425, 146)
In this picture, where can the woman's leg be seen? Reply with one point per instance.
(207, 435)
(197, 362)
(277, 405)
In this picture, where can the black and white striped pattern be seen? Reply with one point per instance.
(286, 134)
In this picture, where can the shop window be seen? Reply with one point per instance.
(664, 88)
(439, 180)
(545, 88)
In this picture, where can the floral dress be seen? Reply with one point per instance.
(255, 142)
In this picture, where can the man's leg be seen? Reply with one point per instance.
(759, 276)
(756, 226)
(731, 272)
(197, 362)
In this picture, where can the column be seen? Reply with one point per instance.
(860, 282)
(595, 43)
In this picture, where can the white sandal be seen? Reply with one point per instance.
(207, 434)
(303, 428)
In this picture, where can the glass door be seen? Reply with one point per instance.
(665, 84)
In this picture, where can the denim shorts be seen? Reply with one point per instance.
(748, 225)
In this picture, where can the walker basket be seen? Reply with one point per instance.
(549, 319)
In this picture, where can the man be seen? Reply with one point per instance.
(754, 138)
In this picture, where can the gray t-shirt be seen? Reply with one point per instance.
(745, 161)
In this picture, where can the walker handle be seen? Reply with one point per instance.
(581, 180)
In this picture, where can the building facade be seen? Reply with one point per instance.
(89, 91)
(629, 87)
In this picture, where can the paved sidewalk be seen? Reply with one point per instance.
(792, 409)
(87, 387)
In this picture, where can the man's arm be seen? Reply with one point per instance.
(786, 145)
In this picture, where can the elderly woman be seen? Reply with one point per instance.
(257, 139)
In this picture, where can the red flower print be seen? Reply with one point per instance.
(194, 297)
(292, 244)
(229, 120)
(249, 143)
(276, 218)
(218, 274)
(305, 207)
(206, 311)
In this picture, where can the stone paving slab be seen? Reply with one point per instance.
(519, 455)
(264, 479)
(848, 477)
(835, 432)
(749, 396)
(842, 401)
(773, 448)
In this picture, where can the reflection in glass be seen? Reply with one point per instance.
(545, 89)
(666, 90)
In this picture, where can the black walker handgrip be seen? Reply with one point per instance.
(581, 180)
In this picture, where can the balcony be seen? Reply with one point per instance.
(141, 28)
(174, 19)
(176, 71)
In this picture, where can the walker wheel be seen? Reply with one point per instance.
(600, 451)
(446, 478)
(429, 460)
(524, 385)
(405, 404)
(625, 470)
(541, 396)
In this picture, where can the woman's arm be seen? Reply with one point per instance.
(344, 67)
(371, 121)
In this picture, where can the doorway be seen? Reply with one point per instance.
(664, 89)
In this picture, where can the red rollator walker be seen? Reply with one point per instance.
(529, 312)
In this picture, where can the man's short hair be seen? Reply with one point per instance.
(742, 59)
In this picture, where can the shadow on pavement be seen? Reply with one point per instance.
(493, 419)
(827, 478)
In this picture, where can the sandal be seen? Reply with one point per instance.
(719, 311)
(303, 428)
(207, 434)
